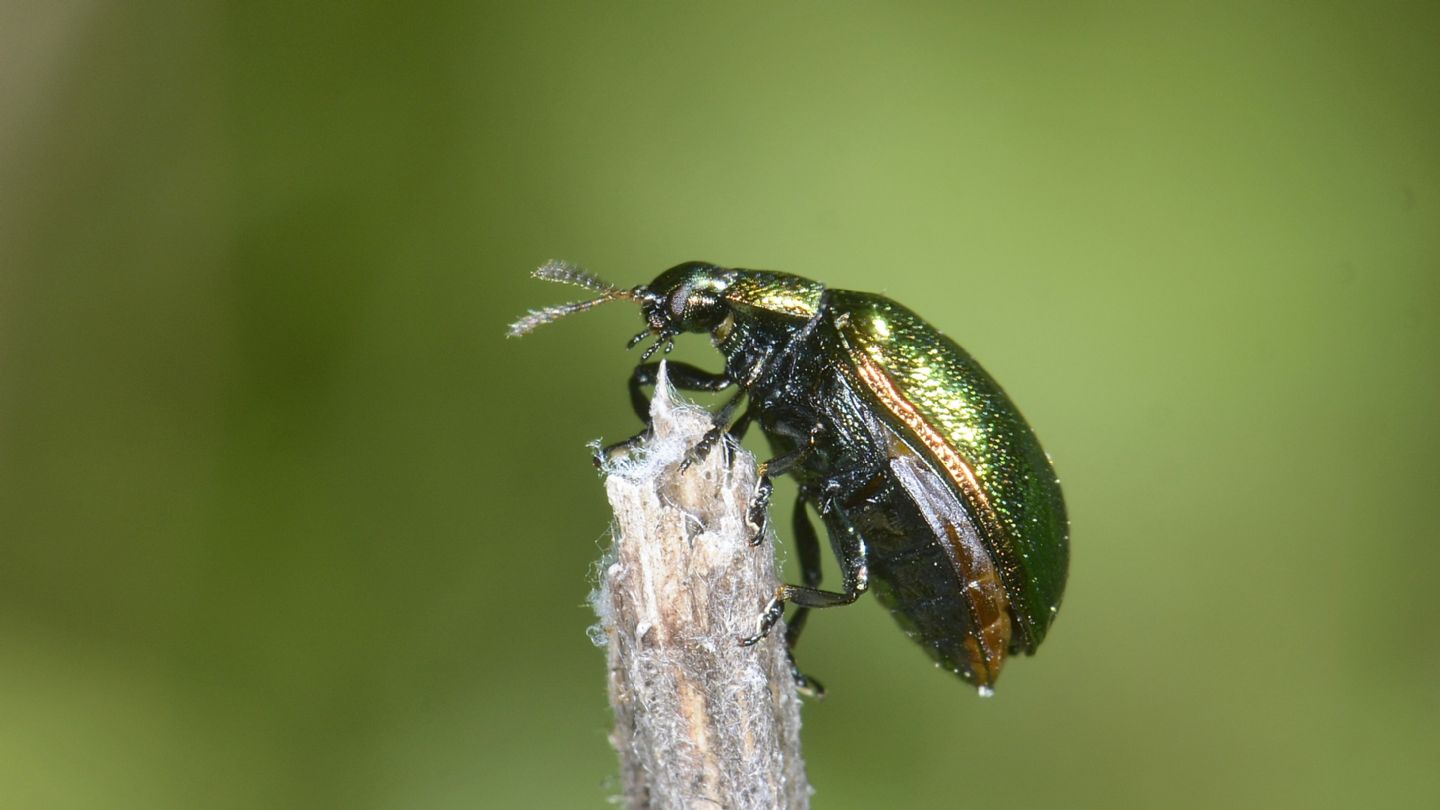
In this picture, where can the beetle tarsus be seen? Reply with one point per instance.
(703, 447)
(774, 609)
(608, 453)
(806, 685)
(722, 419)
(758, 514)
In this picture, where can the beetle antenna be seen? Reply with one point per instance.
(539, 317)
(563, 272)
(566, 273)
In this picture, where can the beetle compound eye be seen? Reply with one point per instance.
(695, 310)
(678, 303)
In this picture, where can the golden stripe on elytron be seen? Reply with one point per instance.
(988, 647)
(959, 470)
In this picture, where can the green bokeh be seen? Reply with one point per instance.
(284, 521)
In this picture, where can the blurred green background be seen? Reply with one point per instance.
(285, 522)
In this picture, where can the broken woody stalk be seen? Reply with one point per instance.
(700, 721)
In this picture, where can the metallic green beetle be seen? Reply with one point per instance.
(932, 488)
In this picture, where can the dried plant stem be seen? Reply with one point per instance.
(699, 720)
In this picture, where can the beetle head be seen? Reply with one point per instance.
(686, 298)
(689, 297)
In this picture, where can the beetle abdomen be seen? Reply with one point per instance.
(930, 569)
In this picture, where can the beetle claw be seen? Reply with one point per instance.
(759, 536)
(774, 609)
(758, 514)
(806, 685)
(759, 518)
(760, 526)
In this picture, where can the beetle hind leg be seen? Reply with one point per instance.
(807, 545)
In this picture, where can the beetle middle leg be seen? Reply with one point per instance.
(856, 570)
(757, 515)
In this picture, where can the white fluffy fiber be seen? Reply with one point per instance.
(700, 720)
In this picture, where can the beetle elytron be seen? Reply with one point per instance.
(933, 489)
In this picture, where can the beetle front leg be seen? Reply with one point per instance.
(738, 430)
(682, 375)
